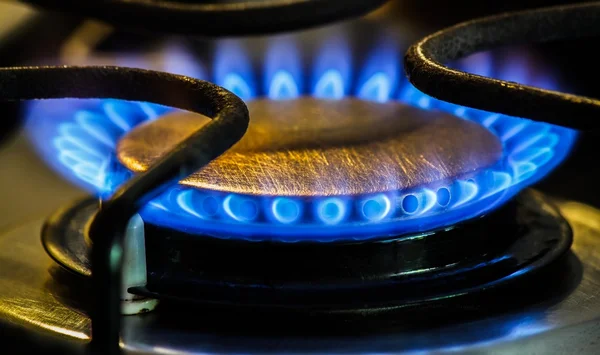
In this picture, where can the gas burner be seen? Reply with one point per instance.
(390, 195)
(313, 169)
(400, 170)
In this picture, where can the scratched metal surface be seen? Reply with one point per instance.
(309, 147)
(34, 305)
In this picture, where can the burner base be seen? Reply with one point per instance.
(341, 278)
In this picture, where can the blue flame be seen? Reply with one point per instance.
(330, 86)
(379, 76)
(375, 208)
(233, 70)
(78, 139)
(283, 70)
(286, 210)
(177, 60)
(332, 68)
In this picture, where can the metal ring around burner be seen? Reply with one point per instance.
(217, 18)
(423, 64)
(340, 277)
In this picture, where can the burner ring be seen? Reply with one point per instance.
(539, 236)
(217, 18)
(426, 71)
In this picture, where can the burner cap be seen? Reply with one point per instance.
(313, 147)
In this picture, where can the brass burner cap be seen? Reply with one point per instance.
(314, 147)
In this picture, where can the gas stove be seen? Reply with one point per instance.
(144, 213)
